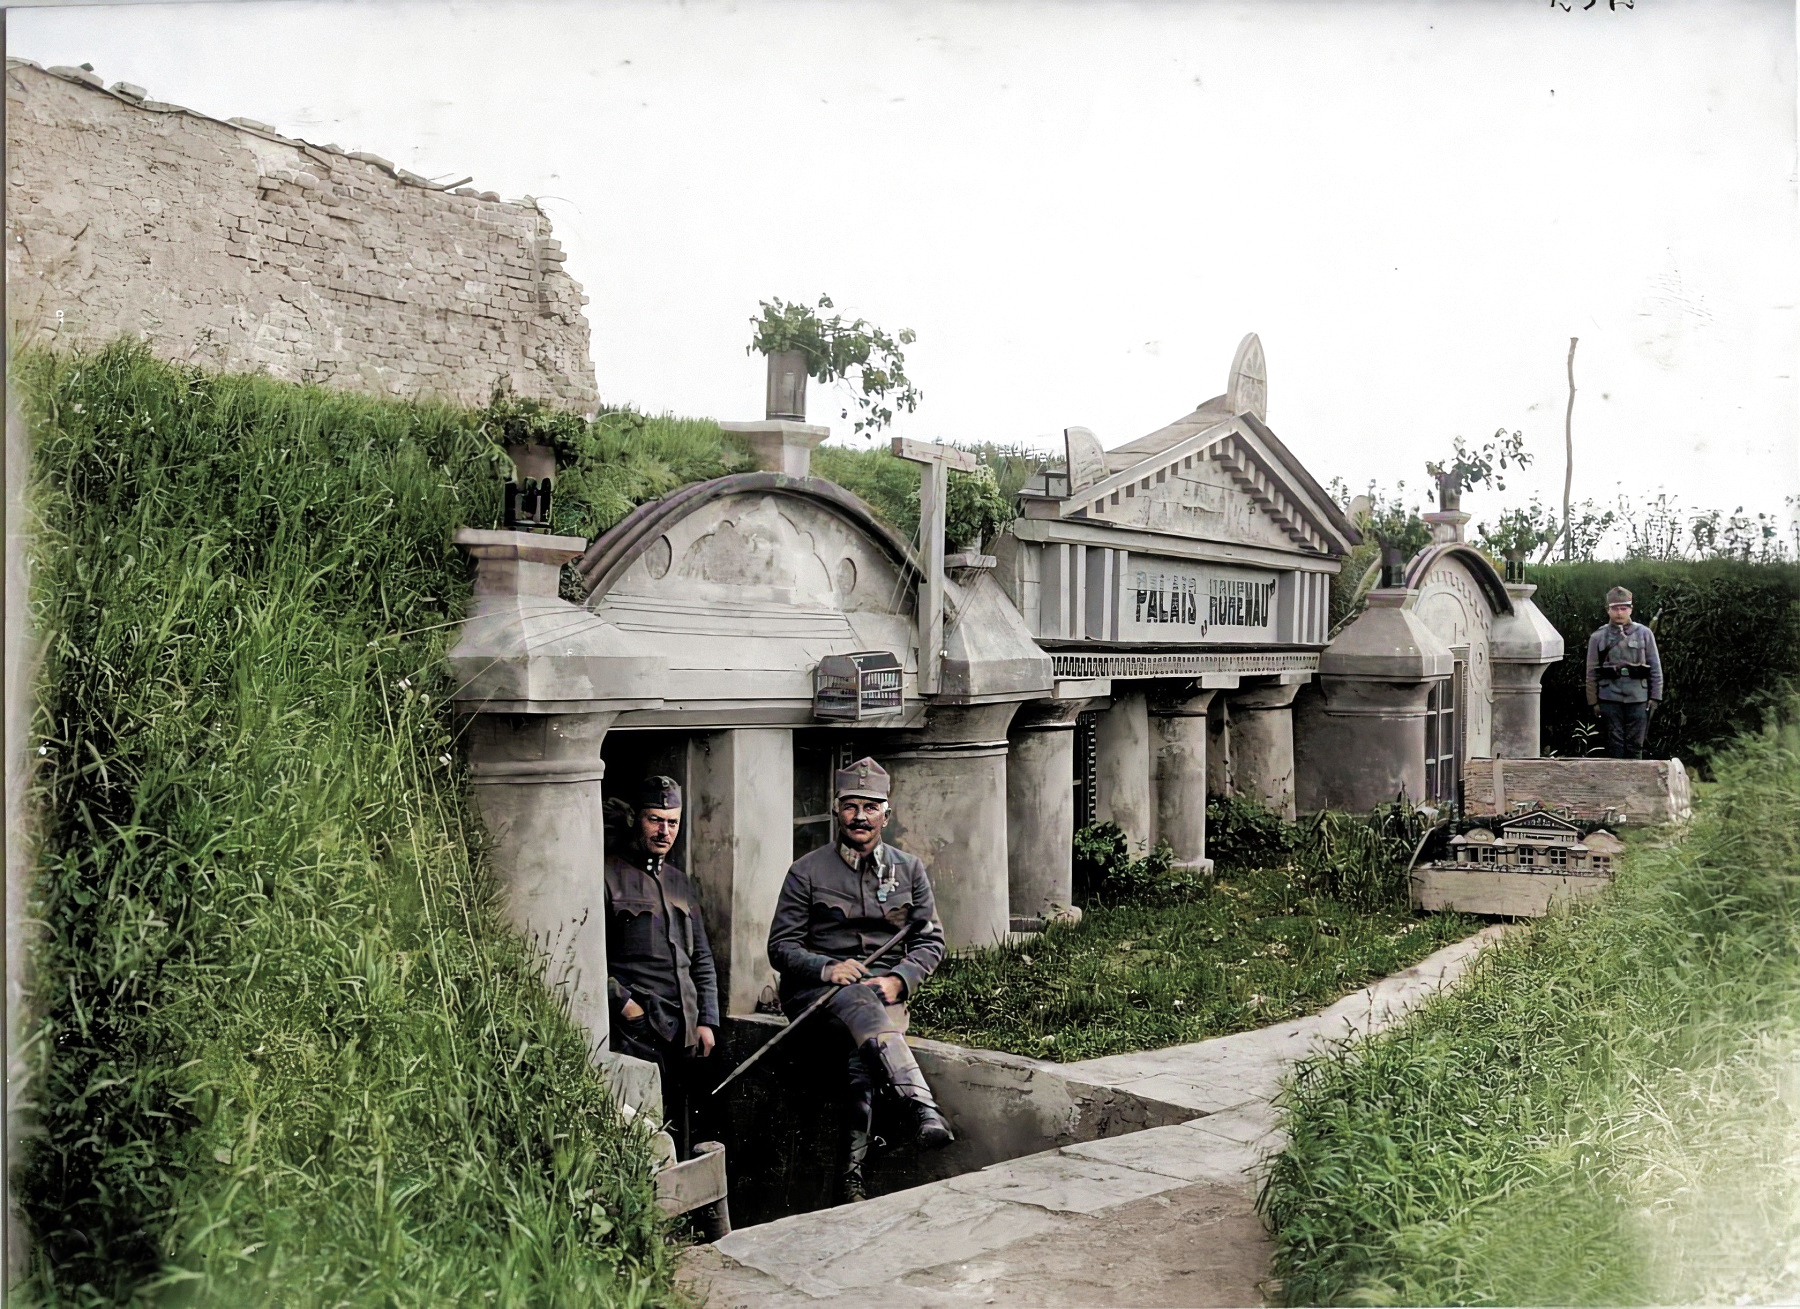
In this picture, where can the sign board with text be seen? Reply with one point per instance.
(1168, 601)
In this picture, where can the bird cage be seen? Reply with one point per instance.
(853, 688)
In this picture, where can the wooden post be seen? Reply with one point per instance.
(934, 486)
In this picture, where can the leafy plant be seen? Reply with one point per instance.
(1469, 468)
(1387, 517)
(509, 420)
(1106, 873)
(974, 508)
(1242, 832)
(837, 350)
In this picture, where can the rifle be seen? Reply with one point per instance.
(810, 1009)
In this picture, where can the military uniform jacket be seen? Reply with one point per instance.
(1624, 646)
(656, 949)
(829, 912)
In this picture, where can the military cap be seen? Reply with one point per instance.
(658, 792)
(865, 779)
(1617, 596)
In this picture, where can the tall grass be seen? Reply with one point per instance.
(1604, 1114)
(286, 1051)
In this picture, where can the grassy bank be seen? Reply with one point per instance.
(1245, 950)
(285, 1051)
(1604, 1114)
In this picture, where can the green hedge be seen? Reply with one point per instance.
(285, 1049)
(1728, 632)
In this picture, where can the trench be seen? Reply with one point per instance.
(783, 1128)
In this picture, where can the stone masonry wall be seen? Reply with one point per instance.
(230, 246)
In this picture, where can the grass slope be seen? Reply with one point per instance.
(1604, 1114)
(287, 1052)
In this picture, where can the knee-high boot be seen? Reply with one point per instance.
(894, 1057)
(862, 1120)
(860, 1112)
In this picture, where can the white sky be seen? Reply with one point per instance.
(1081, 208)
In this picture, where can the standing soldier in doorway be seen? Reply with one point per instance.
(661, 982)
(1624, 677)
(838, 905)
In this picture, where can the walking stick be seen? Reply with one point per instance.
(807, 1012)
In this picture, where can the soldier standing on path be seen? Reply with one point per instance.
(839, 904)
(661, 981)
(1624, 677)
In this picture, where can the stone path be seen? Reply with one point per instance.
(1158, 1217)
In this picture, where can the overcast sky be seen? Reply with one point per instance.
(1081, 208)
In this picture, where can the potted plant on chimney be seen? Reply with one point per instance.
(1400, 530)
(1517, 533)
(800, 344)
(1471, 468)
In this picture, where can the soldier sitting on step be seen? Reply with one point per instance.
(838, 905)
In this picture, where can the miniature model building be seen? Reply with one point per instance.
(1519, 867)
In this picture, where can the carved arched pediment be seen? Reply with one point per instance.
(744, 583)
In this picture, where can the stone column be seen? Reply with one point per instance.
(1262, 745)
(1122, 769)
(1179, 740)
(537, 784)
(1218, 747)
(740, 817)
(949, 808)
(1040, 811)
(1521, 646)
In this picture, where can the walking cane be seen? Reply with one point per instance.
(807, 1012)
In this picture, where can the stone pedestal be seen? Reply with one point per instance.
(1122, 768)
(1179, 731)
(1262, 746)
(949, 808)
(781, 445)
(740, 834)
(1523, 644)
(537, 784)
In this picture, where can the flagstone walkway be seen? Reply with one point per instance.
(1159, 1217)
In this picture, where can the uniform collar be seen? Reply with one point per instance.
(861, 863)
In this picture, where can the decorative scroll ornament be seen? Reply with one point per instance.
(1248, 390)
(1087, 462)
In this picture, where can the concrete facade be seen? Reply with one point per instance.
(1447, 667)
(227, 245)
(1188, 565)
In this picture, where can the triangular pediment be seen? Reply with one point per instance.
(1215, 477)
(1540, 821)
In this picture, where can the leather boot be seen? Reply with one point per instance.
(895, 1058)
(862, 1122)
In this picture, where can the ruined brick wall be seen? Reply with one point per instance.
(230, 246)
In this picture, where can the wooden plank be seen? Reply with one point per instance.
(924, 452)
